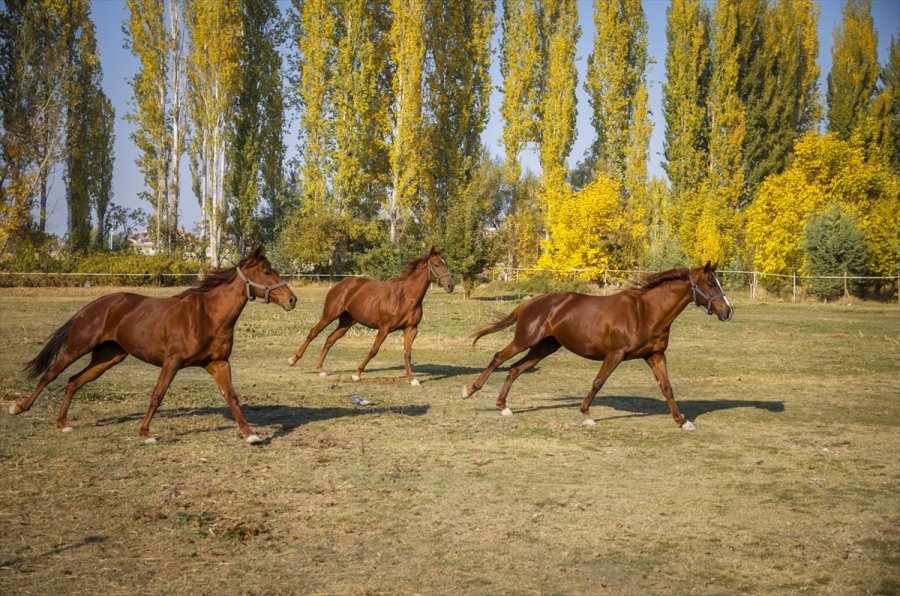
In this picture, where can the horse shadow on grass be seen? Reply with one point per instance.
(286, 418)
(638, 407)
(87, 541)
(434, 372)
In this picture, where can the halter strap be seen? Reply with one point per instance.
(695, 291)
(437, 278)
(266, 289)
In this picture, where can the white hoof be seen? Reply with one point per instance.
(465, 393)
(292, 360)
(67, 429)
(14, 409)
(506, 412)
(588, 422)
(415, 383)
(253, 439)
(323, 374)
(688, 426)
(354, 377)
(149, 440)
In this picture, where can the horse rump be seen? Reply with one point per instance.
(40, 363)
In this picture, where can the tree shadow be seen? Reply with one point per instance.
(55, 551)
(636, 407)
(287, 418)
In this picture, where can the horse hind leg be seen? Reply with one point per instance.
(499, 358)
(65, 358)
(324, 322)
(379, 339)
(103, 358)
(546, 347)
(345, 322)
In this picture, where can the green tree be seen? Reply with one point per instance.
(256, 148)
(834, 246)
(34, 75)
(854, 69)
(102, 140)
(780, 89)
(457, 97)
(686, 93)
(883, 125)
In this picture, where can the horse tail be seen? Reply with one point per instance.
(40, 363)
(501, 321)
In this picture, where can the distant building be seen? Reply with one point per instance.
(142, 243)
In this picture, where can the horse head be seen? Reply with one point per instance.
(708, 293)
(262, 281)
(439, 271)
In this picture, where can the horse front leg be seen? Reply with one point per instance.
(379, 339)
(657, 363)
(609, 365)
(221, 372)
(169, 369)
(409, 335)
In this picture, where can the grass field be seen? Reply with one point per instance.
(791, 482)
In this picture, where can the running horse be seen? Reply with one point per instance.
(383, 305)
(193, 328)
(631, 324)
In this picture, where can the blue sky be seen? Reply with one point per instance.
(119, 66)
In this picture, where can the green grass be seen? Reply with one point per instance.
(790, 483)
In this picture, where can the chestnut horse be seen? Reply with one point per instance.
(383, 305)
(632, 324)
(194, 328)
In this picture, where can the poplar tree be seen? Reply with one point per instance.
(615, 72)
(83, 94)
(407, 150)
(457, 84)
(520, 66)
(215, 28)
(686, 94)
(33, 92)
(556, 120)
(102, 140)
(780, 88)
(361, 109)
(854, 69)
(256, 149)
(883, 129)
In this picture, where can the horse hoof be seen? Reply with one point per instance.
(149, 440)
(688, 426)
(67, 429)
(14, 409)
(415, 383)
(253, 440)
(354, 377)
(292, 360)
(322, 373)
(506, 412)
(465, 393)
(588, 422)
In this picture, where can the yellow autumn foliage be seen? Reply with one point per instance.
(589, 229)
(825, 171)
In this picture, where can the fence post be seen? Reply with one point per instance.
(753, 287)
(794, 277)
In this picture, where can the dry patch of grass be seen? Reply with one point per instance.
(789, 484)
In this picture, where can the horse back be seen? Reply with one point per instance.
(372, 303)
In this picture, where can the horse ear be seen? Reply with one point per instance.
(714, 266)
(435, 250)
(706, 267)
(257, 252)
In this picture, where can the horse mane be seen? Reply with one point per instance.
(214, 279)
(657, 279)
(411, 266)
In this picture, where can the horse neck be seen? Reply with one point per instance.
(671, 298)
(225, 303)
(415, 286)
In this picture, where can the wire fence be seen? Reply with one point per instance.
(757, 283)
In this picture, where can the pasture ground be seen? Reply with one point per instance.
(791, 483)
